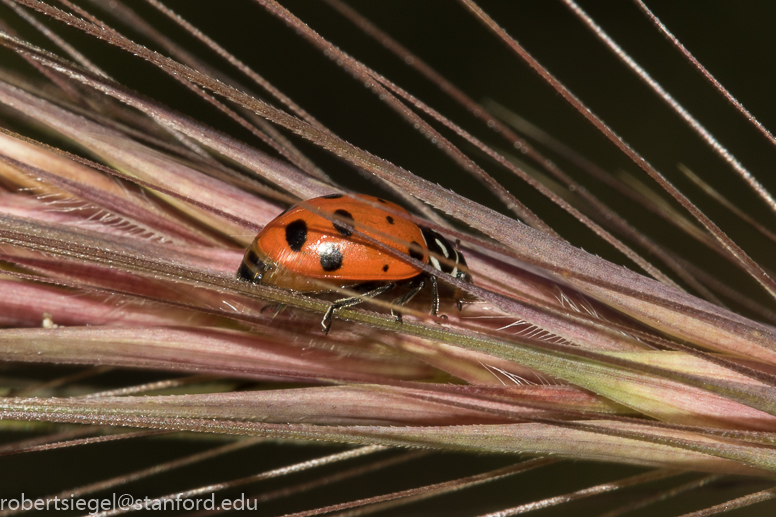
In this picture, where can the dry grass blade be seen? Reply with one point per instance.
(330, 479)
(756, 185)
(285, 471)
(705, 135)
(587, 492)
(365, 74)
(278, 141)
(611, 217)
(80, 441)
(735, 504)
(717, 196)
(416, 494)
(125, 210)
(660, 496)
(749, 265)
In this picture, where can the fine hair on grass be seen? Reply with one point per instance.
(600, 166)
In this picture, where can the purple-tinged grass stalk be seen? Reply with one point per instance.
(119, 251)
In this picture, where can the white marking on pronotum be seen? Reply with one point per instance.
(443, 248)
(435, 263)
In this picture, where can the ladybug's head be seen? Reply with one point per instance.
(444, 257)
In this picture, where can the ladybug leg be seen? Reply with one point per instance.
(434, 295)
(350, 302)
(405, 298)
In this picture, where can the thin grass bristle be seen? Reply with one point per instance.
(125, 210)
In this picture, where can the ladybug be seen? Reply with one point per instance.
(302, 251)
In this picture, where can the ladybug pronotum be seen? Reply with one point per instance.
(302, 251)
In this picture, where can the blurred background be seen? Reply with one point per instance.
(733, 40)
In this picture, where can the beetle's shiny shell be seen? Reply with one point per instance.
(299, 249)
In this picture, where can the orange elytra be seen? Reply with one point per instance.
(303, 251)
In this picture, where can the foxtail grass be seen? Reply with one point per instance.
(617, 316)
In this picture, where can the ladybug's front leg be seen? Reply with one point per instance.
(415, 286)
(350, 302)
(420, 283)
(434, 296)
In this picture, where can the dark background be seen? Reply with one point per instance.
(734, 40)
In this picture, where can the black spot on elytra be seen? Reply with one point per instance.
(345, 232)
(382, 200)
(389, 219)
(296, 234)
(332, 196)
(415, 251)
(385, 268)
(331, 258)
